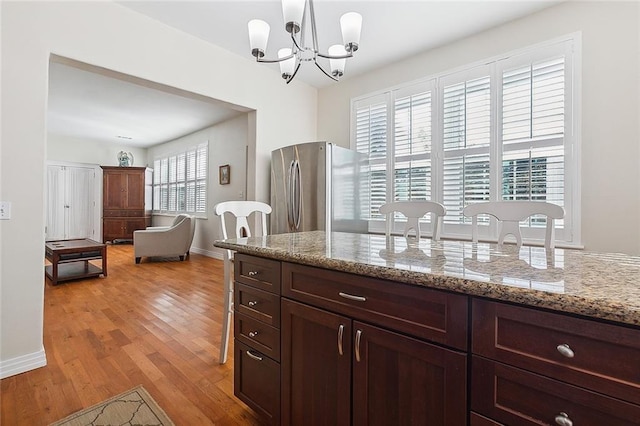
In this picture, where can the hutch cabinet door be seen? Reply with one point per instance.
(113, 229)
(114, 188)
(124, 188)
(316, 366)
(398, 380)
(135, 189)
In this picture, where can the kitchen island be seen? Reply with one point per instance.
(404, 331)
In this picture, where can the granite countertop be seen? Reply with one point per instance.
(597, 285)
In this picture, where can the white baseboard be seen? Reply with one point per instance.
(217, 254)
(21, 364)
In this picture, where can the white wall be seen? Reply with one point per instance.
(228, 143)
(610, 104)
(77, 150)
(111, 36)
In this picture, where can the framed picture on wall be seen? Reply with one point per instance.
(225, 174)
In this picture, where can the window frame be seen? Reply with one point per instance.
(569, 47)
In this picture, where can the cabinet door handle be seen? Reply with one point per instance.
(252, 356)
(352, 297)
(252, 303)
(340, 334)
(565, 350)
(563, 419)
(252, 273)
(253, 333)
(358, 336)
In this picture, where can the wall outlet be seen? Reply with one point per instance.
(5, 210)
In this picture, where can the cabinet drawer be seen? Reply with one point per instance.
(514, 396)
(257, 382)
(124, 213)
(421, 312)
(257, 334)
(478, 420)
(603, 357)
(257, 304)
(257, 272)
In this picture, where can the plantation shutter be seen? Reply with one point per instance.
(412, 147)
(180, 181)
(201, 178)
(371, 139)
(157, 171)
(191, 180)
(466, 126)
(533, 133)
(164, 184)
(172, 183)
(501, 130)
(180, 177)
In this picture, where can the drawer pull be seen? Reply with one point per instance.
(252, 356)
(358, 336)
(253, 333)
(565, 350)
(563, 419)
(252, 303)
(252, 273)
(352, 297)
(340, 333)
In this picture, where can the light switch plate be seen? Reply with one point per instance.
(5, 210)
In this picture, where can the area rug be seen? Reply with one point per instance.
(134, 407)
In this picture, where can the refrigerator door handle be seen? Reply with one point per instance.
(289, 197)
(297, 205)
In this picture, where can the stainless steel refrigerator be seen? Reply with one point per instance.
(319, 186)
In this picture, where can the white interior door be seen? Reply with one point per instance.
(55, 203)
(80, 202)
(71, 202)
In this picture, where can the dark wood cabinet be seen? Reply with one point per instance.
(316, 366)
(339, 370)
(529, 366)
(256, 329)
(427, 314)
(126, 204)
(344, 349)
(256, 382)
(399, 380)
(476, 419)
(517, 397)
(335, 369)
(122, 228)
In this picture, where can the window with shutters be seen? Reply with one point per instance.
(371, 138)
(533, 129)
(466, 141)
(395, 130)
(500, 130)
(180, 182)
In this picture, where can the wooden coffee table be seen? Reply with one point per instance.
(70, 259)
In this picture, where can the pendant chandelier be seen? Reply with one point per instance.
(290, 59)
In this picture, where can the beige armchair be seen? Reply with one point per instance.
(165, 241)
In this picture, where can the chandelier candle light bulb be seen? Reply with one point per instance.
(287, 66)
(258, 37)
(351, 25)
(295, 14)
(337, 65)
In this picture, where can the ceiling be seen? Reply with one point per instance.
(93, 103)
(88, 102)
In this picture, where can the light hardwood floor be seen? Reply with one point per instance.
(157, 324)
